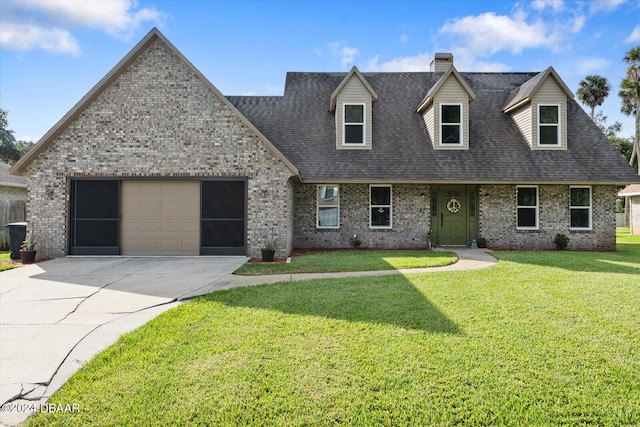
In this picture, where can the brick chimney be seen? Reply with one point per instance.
(441, 62)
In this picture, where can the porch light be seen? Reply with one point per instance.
(49, 191)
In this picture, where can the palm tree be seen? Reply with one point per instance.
(630, 94)
(593, 90)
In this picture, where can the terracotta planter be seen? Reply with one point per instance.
(268, 254)
(27, 257)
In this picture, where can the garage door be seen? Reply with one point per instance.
(160, 218)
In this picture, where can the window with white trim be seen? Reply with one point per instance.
(549, 125)
(450, 124)
(380, 206)
(527, 208)
(353, 132)
(580, 208)
(328, 206)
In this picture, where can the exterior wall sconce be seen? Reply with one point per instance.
(486, 195)
(49, 192)
(423, 197)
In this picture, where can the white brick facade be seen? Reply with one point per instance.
(159, 119)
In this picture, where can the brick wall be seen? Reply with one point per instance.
(158, 119)
(498, 219)
(410, 218)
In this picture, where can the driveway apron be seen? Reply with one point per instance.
(56, 315)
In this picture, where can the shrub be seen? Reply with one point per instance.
(561, 241)
(355, 242)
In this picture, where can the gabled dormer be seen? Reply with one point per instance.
(539, 109)
(352, 104)
(445, 110)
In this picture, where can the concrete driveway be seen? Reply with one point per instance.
(56, 315)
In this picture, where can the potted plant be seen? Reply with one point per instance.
(482, 242)
(28, 251)
(268, 252)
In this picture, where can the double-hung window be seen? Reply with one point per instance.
(328, 206)
(380, 206)
(451, 124)
(580, 208)
(527, 208)
(549, 125)
(353, 125)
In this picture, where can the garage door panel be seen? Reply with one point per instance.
(148, 226)
(155, 214)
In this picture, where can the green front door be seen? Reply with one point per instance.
(454, 211)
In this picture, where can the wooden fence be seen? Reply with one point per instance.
(10, 211)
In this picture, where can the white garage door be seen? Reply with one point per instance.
(160, 218)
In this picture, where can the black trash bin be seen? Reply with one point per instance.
(17, 234)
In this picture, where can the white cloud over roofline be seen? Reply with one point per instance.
(48, 24)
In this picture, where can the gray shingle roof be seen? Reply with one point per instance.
(301, 127)
(9, 180)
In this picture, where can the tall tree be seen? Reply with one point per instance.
(8, 151)
(630, 94)
(592, 91)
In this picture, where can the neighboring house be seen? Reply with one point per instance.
(155, 160)
(13, 199)
(632, 195)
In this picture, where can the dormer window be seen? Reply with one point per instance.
(451, 124)
(548, 125)
(352, 103)
(538, 108)
(354, 128)
(445, 111)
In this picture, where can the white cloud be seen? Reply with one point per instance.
(634, 36)
(588, 65)
(404, 38)
(48, 24)
(28, 37)
(488, 33)
(419, 62)
(555, 5)
(605, 5)
(578, 23)
(347, 54)
(344, 54)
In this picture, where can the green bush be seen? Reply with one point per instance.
(561, 241)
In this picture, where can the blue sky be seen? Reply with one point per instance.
(52, 52)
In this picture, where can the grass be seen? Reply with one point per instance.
(356, 260)
(542, 338)
(6, 261)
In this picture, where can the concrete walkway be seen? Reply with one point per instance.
(56, 315)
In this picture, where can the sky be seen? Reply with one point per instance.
(52, 52)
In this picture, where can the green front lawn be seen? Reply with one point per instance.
(542, 338)
(356, 260)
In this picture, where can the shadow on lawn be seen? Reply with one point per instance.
(391, 300)
(592, 262)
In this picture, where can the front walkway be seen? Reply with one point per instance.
(468, 259)
(56, 315)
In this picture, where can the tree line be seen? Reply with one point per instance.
(10, 149)
(594, 89)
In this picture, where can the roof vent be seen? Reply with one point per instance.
(441, 62)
